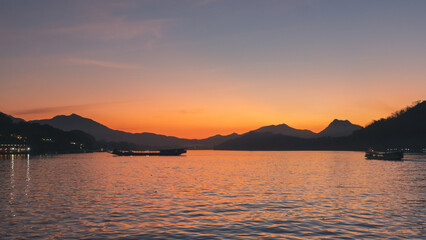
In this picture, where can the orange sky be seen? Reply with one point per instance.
(194, 70)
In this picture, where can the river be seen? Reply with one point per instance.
(213, 195)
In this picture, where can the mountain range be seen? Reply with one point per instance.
(151, 140)
(144, 140)
(337, 128)
(405, 129)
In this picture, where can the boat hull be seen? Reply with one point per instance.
(392, 156)
(163, 152)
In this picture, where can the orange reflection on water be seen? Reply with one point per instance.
(215, 193)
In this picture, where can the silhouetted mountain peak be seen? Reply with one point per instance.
(283, 126)
(75, 115)
(76, 122)
(339, 128)
(337, 122)
(78, 119)
(72, 116)
(284, 129)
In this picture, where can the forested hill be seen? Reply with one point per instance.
(403, 129)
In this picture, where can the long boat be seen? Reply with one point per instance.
(393, 156)
(162, 152)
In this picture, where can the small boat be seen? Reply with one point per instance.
(394, 156)
(163, 152)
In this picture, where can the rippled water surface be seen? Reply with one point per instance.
(213, 195)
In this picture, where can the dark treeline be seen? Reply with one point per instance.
(404, 129)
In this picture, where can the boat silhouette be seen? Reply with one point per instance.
(161, 152)
(394, 156)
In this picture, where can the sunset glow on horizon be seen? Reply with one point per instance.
(197, 68)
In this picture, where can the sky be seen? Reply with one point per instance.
(197, 68)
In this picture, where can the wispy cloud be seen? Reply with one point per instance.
(98, 63)
(67, 109)
(116, 29)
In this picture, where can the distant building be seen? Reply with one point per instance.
(14, 148)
